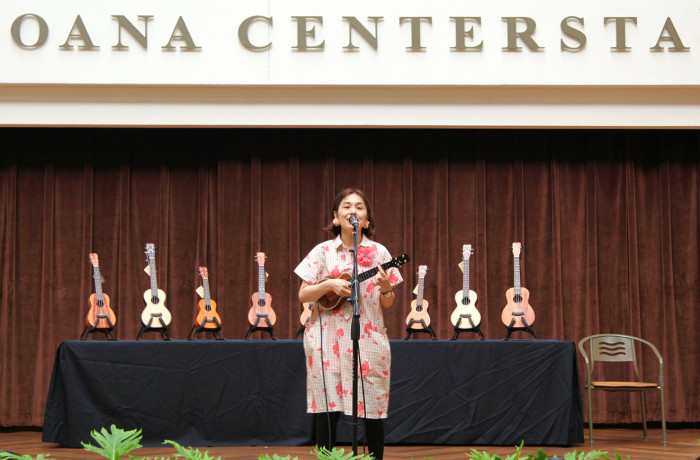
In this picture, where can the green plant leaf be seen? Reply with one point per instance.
(189, 453)
(114, 444)
(476, 455)
(540, 455)
(338, 454)
(11, 456)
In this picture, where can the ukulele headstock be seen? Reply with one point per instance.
(398, 261)
(516, 249)
(94, 260)
(422, 270)
(203, 272)
(260, 256)
(467, 251)
(150, 250)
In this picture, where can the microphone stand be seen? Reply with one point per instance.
(354, 334)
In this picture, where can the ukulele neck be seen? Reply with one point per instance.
(207, 295)
(98, 283)
(261, 281)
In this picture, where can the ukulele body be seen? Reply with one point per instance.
(264, 309)
(207, 313)
(92, 321)
(306, 310)
(155, 308)
(513, 306)
(462, 310)
(418, 313)
(331, 300)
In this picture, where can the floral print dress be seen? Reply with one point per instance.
(327, 341)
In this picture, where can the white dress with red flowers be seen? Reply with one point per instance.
(328, 259)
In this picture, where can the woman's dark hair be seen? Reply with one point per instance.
(369, 231)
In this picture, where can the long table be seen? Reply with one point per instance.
(237, 392)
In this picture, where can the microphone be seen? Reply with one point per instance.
(354, 221)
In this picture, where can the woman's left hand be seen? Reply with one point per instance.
(383, 280)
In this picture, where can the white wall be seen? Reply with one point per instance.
(222, 83)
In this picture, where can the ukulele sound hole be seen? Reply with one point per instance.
(155, 300)
(100, 303)
(261, 303)
(465, 300)
(518, 298)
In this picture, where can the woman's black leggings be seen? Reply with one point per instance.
(374, 431)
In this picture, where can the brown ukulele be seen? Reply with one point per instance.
(517, 313)
(332, 300)
(261, 313)
(418, 318)
(206, 307)
(100, 316)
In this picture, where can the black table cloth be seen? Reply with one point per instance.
(236, 392)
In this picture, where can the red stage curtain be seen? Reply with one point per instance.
(608, 221)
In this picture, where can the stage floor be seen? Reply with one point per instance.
(682, 444)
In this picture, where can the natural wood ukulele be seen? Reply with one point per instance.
(261, 314)
(306, 310)
(517, 314)
(100, 317)
(418, 318)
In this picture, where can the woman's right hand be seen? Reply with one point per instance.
(339, 286)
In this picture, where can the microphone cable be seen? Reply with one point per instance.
(364, 399)
(323, 374)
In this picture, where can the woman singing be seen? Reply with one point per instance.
(327, 341)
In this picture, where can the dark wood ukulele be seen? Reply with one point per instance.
(332, 300)
(207, 316)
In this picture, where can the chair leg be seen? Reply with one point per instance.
(590, 415)
(663, 416)
(644, 414)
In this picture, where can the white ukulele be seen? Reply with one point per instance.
(155, 315)
(465, 315)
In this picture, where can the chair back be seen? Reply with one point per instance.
(613, 348)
